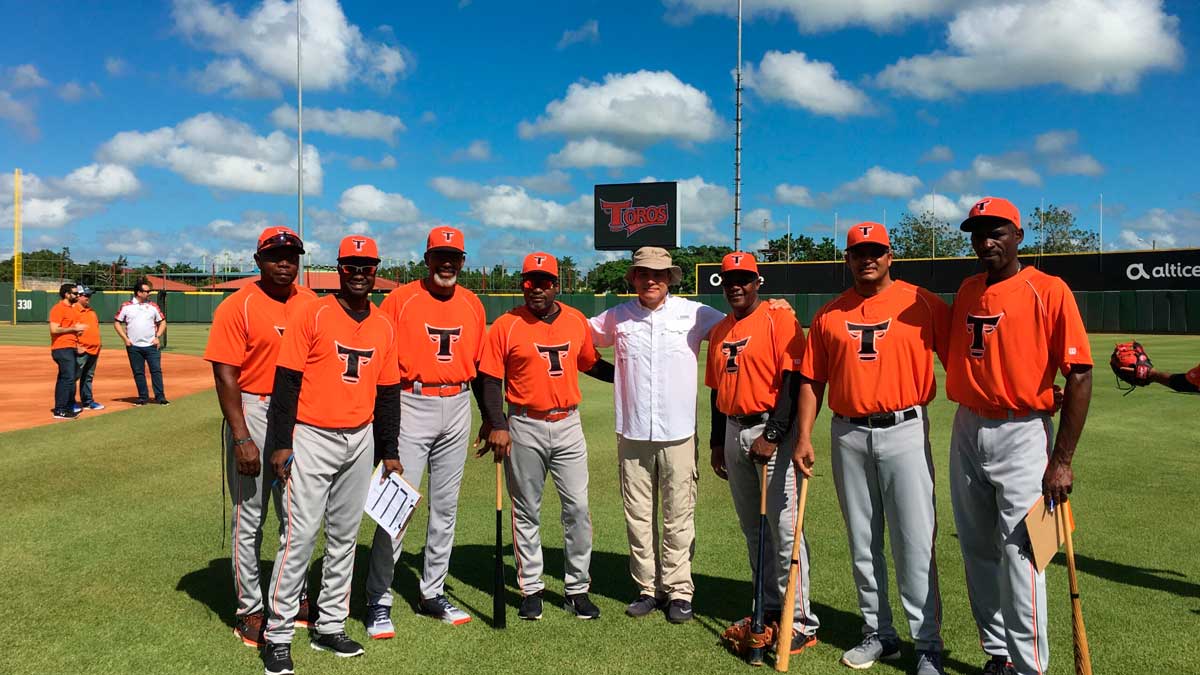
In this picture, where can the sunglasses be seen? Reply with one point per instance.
(541, 284)
(281, 239)
(739, 280)
(143, 290)
(351, 270)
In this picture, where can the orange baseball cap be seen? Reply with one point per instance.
(739, 261)
(358, 246)
(446, 238)
(867, 233)
(991, 208)
(540, 262)
(278, 236)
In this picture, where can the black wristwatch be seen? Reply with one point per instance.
(238, 442)
(772, 435)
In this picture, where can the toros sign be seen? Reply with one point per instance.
(631, 215)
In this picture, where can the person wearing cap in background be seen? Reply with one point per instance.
(439, 334)
(141, 323)
(873, 347)
(532, 358)
(1013, 328)
(87, 351)
(65, 330)
(334, 408)
(754, 357)
(243, 346)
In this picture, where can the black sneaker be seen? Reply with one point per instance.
(531, 607)
(161, 401)
(581, 606)
(679, 611)
(800, 642)
(140, 402)
(339, 643)
(277, 659)
(65, 414)
(999, 665)
(642, 606)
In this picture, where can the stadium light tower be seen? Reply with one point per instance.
(299, 146)
(737, 141)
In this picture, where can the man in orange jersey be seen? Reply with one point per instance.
(87, 352)
(873, 346)
(65, 330)
(539, 350)
(1184, 383)
(754, 354)
(334, 407)
(1012, 329)
(439, 333)
(243, 346)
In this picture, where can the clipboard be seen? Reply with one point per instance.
(391, 503)
(1045, 533)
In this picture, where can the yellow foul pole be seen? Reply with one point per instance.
(16, 240)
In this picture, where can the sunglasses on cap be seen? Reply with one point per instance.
(281, 239)
(541, 283)
(358, 269)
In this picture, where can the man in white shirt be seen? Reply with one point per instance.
(657, 338)
(140, 323)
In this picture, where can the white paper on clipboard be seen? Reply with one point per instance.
(392, 502)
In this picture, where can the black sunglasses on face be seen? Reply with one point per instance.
(738, 281)
(358, 269)
(543, 284)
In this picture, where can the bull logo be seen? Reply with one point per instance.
(354, 359)
(731, 350)
(627, 218)
(867, 335)
(444, 338)
(554, 356)
(979, 327)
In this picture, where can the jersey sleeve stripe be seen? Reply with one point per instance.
(1036, 294)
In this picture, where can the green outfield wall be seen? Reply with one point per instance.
(1172, 311)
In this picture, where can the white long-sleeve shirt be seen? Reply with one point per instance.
(656, 364)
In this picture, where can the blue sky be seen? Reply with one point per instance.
(167, 130)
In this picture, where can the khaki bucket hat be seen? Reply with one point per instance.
(654, 258)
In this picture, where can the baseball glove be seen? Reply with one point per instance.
(1131, 364)
(740, 637)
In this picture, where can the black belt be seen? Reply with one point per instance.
(751, 420)
(881, 420)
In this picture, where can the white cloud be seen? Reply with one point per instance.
(478, 150)
(511, 207)
(636, 109)
(1160, 228)
(236, 79)
(588, 32)
(590, 152)
(1085, 45)
(116, 66)
(813, 85)
(707, 211)
(368, 164)
(1056, 141)
(247, 229)
(73, 92)
(335, 52)
(102, 181)
(818, 15)
(24, 76)
(341, 122)
(219, 152)
(793, 194)
(370, 203)
(876, 182)
(428, 117)
(950, 210)
(1077, 165)
(938, 153)
(551, 182)
(455, 188)
(1013, 166)
(19, 114)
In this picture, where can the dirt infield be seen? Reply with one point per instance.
(29, 374)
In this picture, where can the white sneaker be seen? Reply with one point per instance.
(379, 622)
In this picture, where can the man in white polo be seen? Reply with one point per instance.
(140, 323)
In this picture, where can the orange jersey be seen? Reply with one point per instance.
(64, 316)
(1193, 376)
(437, 341)
(342, 361)
(1008, 339)
(747, 358)
(246, 332)
(876, 353)
(540, 361)
(90, 338)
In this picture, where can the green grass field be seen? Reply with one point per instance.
(113, 559)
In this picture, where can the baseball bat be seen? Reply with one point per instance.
(757, 626)
(499, 611)
(783, 644)
(1083, 655)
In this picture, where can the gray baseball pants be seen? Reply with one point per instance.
(538, 447)
(331, 474)
(434, 432)
(996, 469)
(886, 475)
(782, 501)
(250, 498)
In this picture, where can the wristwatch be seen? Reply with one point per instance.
(772, 435)
(237, 442)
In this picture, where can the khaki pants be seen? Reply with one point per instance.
(660, 566)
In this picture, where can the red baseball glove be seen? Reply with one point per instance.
(1131, 364)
